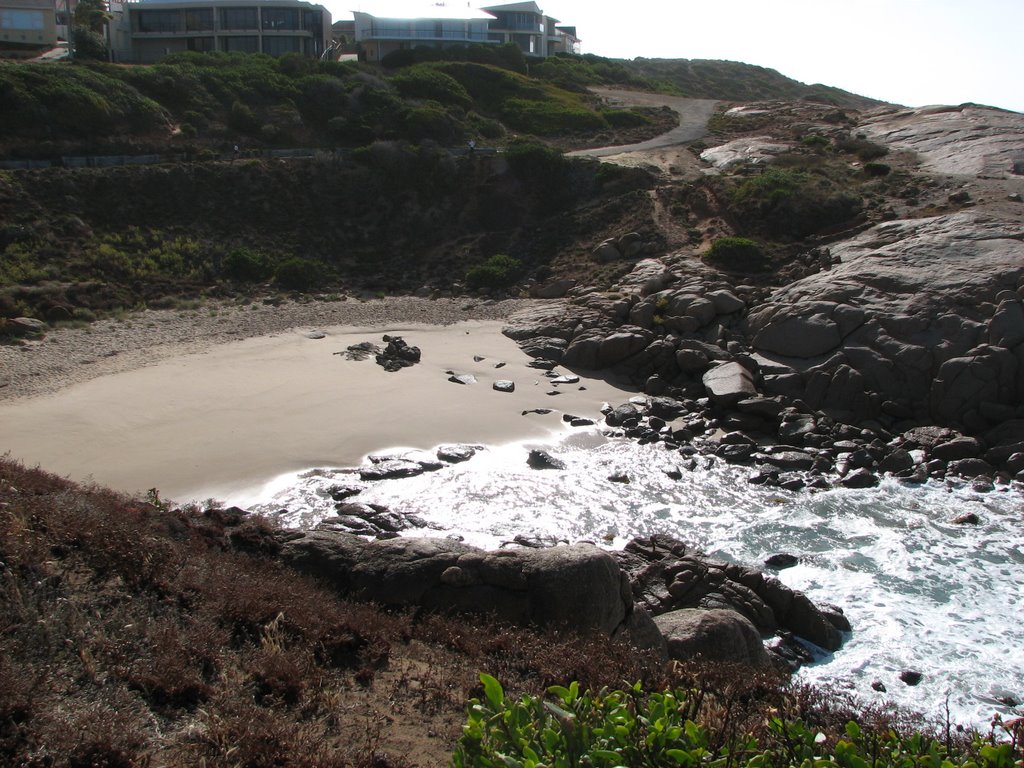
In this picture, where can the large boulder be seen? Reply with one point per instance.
(579, 586)
(729, 383)
(712, 635)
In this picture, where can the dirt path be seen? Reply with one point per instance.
(667, 152)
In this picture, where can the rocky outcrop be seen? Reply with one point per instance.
(579, 586)
(924, 312)
(668, 576)
(968, 140)
(700, 607)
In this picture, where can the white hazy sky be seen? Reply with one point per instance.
(912, 52)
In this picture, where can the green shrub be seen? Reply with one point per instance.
(640, 729)
(550, 118)
(247, 265)
(299, 274)
(736, 254)
(862, 148)
(499, 271)
(815, 141)
(791, 203)
(242, 118)
(89, 44)
(426, 82)
(624, 118)
(431, 121)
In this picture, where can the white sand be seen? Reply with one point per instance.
(225, 420)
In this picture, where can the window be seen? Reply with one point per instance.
(239, 18)
(280, 18)
(278, 46)
(158, 21)
(199, 19)
(12, 19)
(201, 44)
(244, 44)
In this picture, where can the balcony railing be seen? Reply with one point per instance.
(404, 33)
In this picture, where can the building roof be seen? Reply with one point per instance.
(528, 7)
(423, 10)
(177, 3)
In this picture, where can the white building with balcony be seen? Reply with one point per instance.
(381, 31)
(438, 26)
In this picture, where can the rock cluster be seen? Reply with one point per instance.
(829, 372)
(397, 354)
(703, 608)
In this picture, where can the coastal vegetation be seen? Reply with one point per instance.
(137, 633)
(636, 728)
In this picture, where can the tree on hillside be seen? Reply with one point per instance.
(91, 17)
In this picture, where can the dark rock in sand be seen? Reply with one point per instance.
(503, 385)
(968, 518)
(543, 460)
(462, 378)
(397, 354)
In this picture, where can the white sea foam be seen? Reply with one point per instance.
(921, 592)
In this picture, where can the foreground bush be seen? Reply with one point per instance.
(633, 727)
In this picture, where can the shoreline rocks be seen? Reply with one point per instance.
(657, 593)
(830, 374)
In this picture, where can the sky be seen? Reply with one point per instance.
(911, 52)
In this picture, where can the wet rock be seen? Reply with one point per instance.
(391, 470)
(538, 459)
(911, 676)
(782, 560)
(878, 685)
(620, 416)
(859, 478)
(969, 468)
(455, 454)
(956, 449)
(619, 477)
(968, 518)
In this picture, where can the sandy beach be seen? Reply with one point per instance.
(204, 404)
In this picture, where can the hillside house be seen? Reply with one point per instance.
(381, 31)
(144, 31)
(28, 23)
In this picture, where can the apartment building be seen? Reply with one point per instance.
(147, 30)
(28, 23)
(439, 26)
(379, 32)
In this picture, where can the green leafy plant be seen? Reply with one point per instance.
(636, 728)
(499, 271)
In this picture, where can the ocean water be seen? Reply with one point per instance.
(921, 592)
